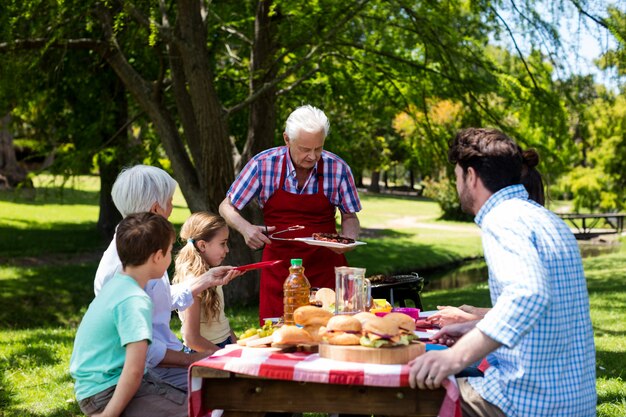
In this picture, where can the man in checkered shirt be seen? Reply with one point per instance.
(538, 336)
(301, 184)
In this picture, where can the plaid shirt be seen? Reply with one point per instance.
(546, 366)
(260, 178)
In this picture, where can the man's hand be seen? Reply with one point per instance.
(448, 335)
(341, 250)
(257, 236)
(432, 368)
(450, 315)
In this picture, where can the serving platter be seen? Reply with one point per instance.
(391, 355)
(314, 242)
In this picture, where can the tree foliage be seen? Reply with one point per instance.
(212, 82)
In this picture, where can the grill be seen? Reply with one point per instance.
(399, 288)
(398, 279)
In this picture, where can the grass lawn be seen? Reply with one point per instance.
(47, 286)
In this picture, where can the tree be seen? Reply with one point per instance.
(213, 78)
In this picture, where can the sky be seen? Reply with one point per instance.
(582, 40)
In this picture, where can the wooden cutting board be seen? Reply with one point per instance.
(392, 355)
(308, 348)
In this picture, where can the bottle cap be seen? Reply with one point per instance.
(296, 262)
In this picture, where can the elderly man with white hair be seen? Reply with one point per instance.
(296, 184)
(143, 188)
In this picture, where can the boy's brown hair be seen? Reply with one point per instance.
(140, 235)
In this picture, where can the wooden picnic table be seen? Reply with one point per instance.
(242, 396)
(586, 223)
(279, 390)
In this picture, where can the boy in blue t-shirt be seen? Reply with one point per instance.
(108, 361)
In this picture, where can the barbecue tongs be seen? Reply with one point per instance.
(289, 229)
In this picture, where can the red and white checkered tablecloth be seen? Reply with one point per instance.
(307, 367)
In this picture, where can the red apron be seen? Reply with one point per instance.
(316, 214)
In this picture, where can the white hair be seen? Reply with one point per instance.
(137, 188)
(307, 118)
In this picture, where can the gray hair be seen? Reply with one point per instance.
(137, 188)
(307, 118)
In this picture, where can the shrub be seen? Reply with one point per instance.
(444, 193)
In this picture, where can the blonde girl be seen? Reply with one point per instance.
(205, 326)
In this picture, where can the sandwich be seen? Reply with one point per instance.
(364, 316)
(405, 323)
(291, 335)
(378, 333)
(311, 319)
(342, 330)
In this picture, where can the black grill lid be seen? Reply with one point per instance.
(379, 280)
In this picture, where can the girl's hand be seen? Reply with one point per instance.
(232, 274)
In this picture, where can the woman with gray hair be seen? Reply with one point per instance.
(143, 188)
(296, 184)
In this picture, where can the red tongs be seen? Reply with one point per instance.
(289, 229)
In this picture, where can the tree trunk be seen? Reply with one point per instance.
(109, 168)
(212, 131)
(261, 130)
(109, 216)
(262, 119)
(374, 184)
(11, 173)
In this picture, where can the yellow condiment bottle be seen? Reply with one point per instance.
(296, 290)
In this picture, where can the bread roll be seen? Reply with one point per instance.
(311, 316)
(292, 335)
(314, 331)
(326, 296)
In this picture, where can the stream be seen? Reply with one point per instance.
(476, 271)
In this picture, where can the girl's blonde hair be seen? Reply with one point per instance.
(189, 264)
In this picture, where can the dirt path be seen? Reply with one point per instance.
(414, 222)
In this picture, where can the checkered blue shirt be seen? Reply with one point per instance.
(260, 178)
(540, 314)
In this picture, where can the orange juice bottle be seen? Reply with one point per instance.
(296, 290)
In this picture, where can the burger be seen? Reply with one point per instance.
(342, 330)
(364, 316)
(311, 319)
(291, 335)
(405, 323)
(378, 333)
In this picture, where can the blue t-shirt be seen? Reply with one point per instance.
(119, 315)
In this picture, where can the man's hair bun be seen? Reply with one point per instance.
(531, 158)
